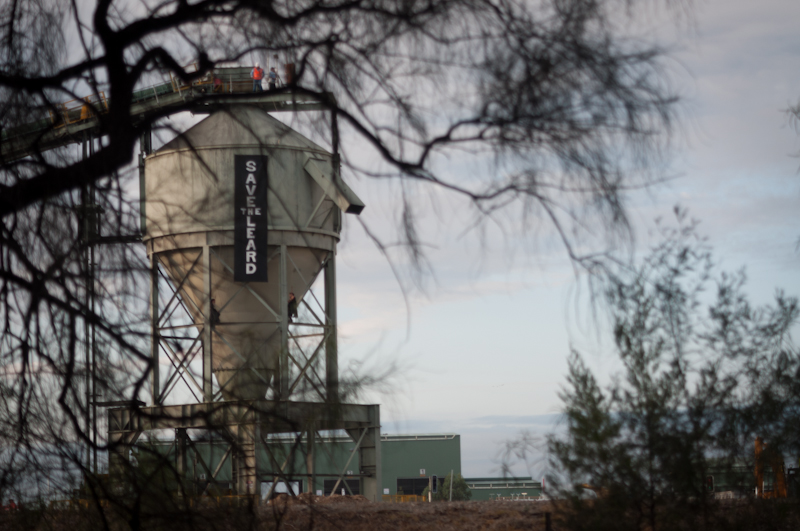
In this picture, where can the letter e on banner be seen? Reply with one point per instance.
(250, 218)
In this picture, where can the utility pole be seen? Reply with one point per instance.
(89, 212)
(88, 220)
(451, 485)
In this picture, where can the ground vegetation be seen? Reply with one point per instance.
(337, 512)
(703, 373)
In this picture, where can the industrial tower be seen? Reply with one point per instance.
(239, 212)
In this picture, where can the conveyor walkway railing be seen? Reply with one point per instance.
(69, 122)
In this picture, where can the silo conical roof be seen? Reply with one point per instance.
(240, 126)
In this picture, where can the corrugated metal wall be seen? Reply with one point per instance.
(403, 457)
(406, 456)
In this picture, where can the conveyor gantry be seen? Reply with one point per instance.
(70, 122)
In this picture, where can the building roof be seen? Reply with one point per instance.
(497, 480)
(419, 437)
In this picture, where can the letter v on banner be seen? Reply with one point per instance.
(250, 218)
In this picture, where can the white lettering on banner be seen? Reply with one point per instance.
(250, 203)
(251, 267)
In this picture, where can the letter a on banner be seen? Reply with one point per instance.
(250, 218)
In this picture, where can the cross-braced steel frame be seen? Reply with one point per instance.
(300, 352)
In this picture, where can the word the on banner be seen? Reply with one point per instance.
(250, 219)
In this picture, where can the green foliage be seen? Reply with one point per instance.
(461, 490)
(700, 379)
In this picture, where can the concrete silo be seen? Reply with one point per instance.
(243, 210)
(192, 217)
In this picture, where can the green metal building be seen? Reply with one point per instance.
(407, 463)
(499, 488)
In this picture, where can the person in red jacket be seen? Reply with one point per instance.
(257, 74)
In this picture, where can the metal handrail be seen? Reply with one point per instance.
(77, 110)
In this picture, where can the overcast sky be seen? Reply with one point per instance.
(483, 350)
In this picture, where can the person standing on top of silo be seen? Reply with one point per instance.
(292, 307)
(214, 313)
(273, 78)
(257, 74)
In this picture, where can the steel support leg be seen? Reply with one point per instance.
(256, 475)
(331, 346)
(245, 467)
(372, 483)
(155, 376)
(284, 356)
(208, 332)
(181, 440)
(311, 477)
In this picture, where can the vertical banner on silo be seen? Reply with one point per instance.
(250, 229)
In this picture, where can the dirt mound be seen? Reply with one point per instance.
(285, 500)
(355, 513)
